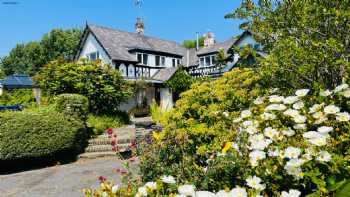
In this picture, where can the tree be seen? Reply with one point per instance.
(101, 84)
(307, 40)
(30, 57)
(191, 44)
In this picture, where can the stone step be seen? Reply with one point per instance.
(93, 155)
(107, 141)
(106, 148)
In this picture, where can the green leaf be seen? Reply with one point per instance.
(336, 186)
(344, 191)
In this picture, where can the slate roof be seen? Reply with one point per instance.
(216, 47)
(118, 43)
(17, 81)
(165, 74)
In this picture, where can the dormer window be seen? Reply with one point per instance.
(142, 58)
(209, 60)
(93, 56)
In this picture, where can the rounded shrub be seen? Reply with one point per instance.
(74, 105)
(30, 135)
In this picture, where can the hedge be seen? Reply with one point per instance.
(74, 105)
(28, 135)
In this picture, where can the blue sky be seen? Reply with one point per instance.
(169, 19)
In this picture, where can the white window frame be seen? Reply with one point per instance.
(142, 60)
(96, 53)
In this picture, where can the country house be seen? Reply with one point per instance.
(156, 60)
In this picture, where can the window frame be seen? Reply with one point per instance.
(96, 55)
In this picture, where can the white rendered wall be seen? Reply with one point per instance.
(166, 99)
(91, 45)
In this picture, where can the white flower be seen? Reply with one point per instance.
(321, 120)
(222, 193)
(226, 114)
(291, 113)
(267, 116)
(246, 113)
(255, 156)
(290, 99)
(271, 133)
(290, 132)
(293, 168)
(343, 117)
(255, 183)
(318, 115)
(274, 153)
(341, 87)
(324, 129)
(276, 99)
(258, 101)
(151, 185)
(315, 108)
(275, 107)
(237, 120)
(187, 190)
(346, 93)
(179, 195)
(258, 142)
(291, 193)
(251, 130)
(299, 126)
(298, 105)
(168, 179)
(324, 156)
(299, 119)
(292, 152)
(247, 123)
(205, 194)
(316, 138)
(331, 109)
(237, 192)
(302, 92)
(104, 194)
(142, 191)
(115, 189)
(325, 93)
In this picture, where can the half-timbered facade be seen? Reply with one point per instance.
(155, 60)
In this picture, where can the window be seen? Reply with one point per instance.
(139, 57)
(93, 56)
(157, 60)
(174, 62)
(145, 59)
(213, 60)
(142, 58)
(162, 61)
(202, 61)
(178, 62)
(207, 61)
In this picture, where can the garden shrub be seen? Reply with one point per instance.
(33, 135)
(196, 127)
(275, 145)
(100, 123)
(17, 97)
(73, 105)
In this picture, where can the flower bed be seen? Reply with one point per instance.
(293, 146)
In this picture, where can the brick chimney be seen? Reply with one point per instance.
(209, 39)
(139, 26)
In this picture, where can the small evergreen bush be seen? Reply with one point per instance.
(73, 105)
(31, 135)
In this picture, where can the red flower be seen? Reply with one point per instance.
(102, 179)
(109, 131)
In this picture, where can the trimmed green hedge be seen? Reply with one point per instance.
(74, 105)
(28, 135)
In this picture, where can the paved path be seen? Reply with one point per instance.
(60, 181)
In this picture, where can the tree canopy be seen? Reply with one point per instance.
(307, 40)
(30, 57)
(191, 44)
(101, 84)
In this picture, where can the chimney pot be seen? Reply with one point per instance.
(139, 26)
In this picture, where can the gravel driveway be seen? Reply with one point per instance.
(59, 181)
